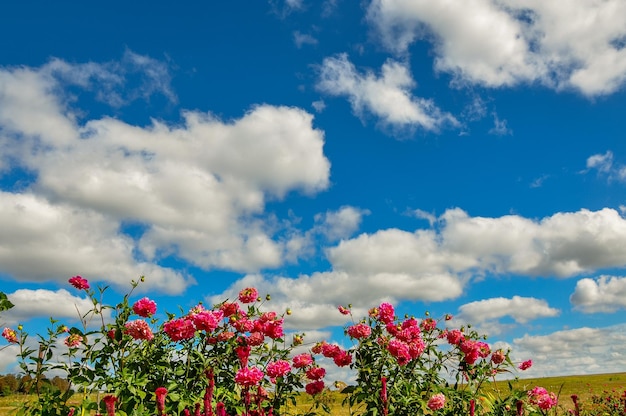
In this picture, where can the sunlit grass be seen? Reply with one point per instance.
(583, 386)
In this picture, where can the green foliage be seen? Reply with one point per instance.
(5, 303)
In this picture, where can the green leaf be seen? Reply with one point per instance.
(5, 303)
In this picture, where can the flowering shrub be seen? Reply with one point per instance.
(234, 359)
(410, 366)
(228, 360)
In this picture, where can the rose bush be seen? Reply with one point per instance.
(234, 359)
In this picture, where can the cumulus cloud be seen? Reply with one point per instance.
(53, 241)
(336, 225)
(435, 264)
(387, 96)
(197, 190)
(487, 313)
(602, 294)
(563, 245)
(59, 304)
(573, 351)
(566, 45)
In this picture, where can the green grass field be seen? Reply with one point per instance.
(584, 386)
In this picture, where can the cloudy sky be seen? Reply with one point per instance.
(462, 157)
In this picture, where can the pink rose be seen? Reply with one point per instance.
(145, 307)
(436, 401)
(79, 283)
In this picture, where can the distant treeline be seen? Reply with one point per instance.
(12, 384)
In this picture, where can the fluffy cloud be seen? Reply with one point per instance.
(569, 44)
(603, 294)
(387, 96)
(486, 314)
(335, 225)
(562, 245)
(59, 304)
(573, 351)
(92, 179)
(435, 265)
(45, 241)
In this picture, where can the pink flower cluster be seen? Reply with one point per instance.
(73, 340)
(340, 357)
(10, 335)
(542, 398)
(248, 295)
(525, 365)
(145, 307)
(404, 341)
(79, 283)
(138, 329)
(436, 401)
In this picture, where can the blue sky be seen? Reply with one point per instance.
(459, 157)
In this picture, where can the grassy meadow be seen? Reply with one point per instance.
(584, 386)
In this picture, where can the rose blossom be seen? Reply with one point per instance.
(342, 358)
(10, 335)
(207, 320)
(248, 295)
(243, 352)
(74, 340)
(315, 373)
(498, 357)
(302, 360)
(138, 329)
(145, 307)
(386, 312)
(525, 365)
(428, 324)
(454, 337)
(542, 398)
(278, 368)
(436, 401)
(248, 376)
(400, 351)
(314, 387)
(330, 350)
(179, 329)
(79, 283)
(359, 331)
(343, 310)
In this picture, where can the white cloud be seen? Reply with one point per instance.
(45, 241)
(486, 314)
(336, 225)
(563, 245)
(602, 294)
(500, 127)
(605, 166)
(198, 189)
(573, 351)
(568, 44)
(319, 105)
(7, 359)
(601, 162)
(435, 265)
(301, 39)
(109, 80)
(59, 305)
(387, 96)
